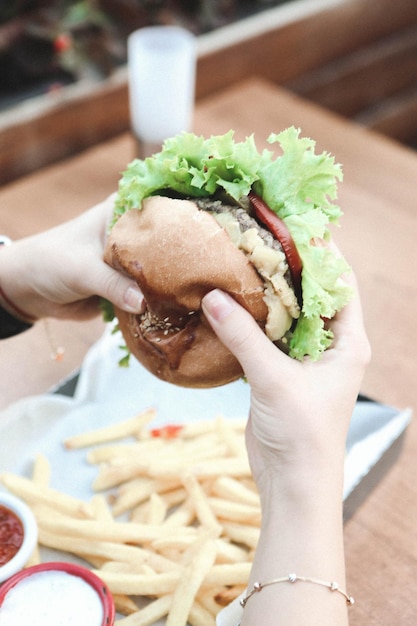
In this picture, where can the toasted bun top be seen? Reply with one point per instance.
(178, 253)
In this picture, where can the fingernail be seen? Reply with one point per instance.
(133, 300)
(218, 304)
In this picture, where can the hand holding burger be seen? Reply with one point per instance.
(44, 275)
(296, 443)
(207, 213)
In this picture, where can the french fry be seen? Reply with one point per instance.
(172, 545)
(226, 433)
(205, 446)
(113, 474)
(102, 511)
(235, 490)
(120, 430)
(158, 562)
(228, 552)
(194, 429)
(118, 532)
(157, 509)
(104, 453)
(201, 557)
(94, 561)
(136, 491)
(231, 466)
(228, 574)
(149, 614)
(148, 560)
(201, 504)
(32, 492)
(172, 553)
(41, 472)
(139, 514)
(200, 616)
(120, 470)
(167, 582)
(127, 568)
(174, 466)
(235, 511)
(104, 549)
(242, 534)
(174, 497)
(140, 489)
(124, 604)
(206, 598)
(140, 584)
(228, 594)
(182, 516)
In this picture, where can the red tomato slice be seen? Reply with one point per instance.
(280, 231)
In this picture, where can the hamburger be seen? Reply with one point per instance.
(217, 213)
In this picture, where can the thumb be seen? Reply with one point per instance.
(122, 291)
(239, 332)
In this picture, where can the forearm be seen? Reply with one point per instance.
(302, 534)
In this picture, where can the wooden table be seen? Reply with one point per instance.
(378, 236)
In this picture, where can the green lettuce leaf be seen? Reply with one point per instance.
(298, 184)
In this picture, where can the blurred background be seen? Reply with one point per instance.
(45, 44)
(63, 79)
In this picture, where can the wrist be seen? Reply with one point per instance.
(15, 298)
(301, 483)
(318, 508)
(13, 320)
(302, 532)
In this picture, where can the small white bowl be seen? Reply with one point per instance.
(52, 594)
(30, 535)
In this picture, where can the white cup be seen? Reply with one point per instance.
(162, 68)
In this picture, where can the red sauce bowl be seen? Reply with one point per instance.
(105, 597)
(18, 535)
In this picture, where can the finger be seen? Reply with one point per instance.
(239, 332)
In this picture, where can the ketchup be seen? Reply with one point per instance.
(169, 431)
(11, 535)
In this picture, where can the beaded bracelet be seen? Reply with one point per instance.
(293, 578)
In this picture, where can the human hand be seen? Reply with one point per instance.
(296, 435)
(61, 273)
(300, 411)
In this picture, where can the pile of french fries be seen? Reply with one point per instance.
(172, 522)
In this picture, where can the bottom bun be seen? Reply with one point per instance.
(178, 253)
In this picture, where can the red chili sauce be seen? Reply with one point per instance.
(11, 534)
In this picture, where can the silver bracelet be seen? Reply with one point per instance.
(293, 578)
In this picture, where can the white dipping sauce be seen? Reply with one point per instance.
(52, 598)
